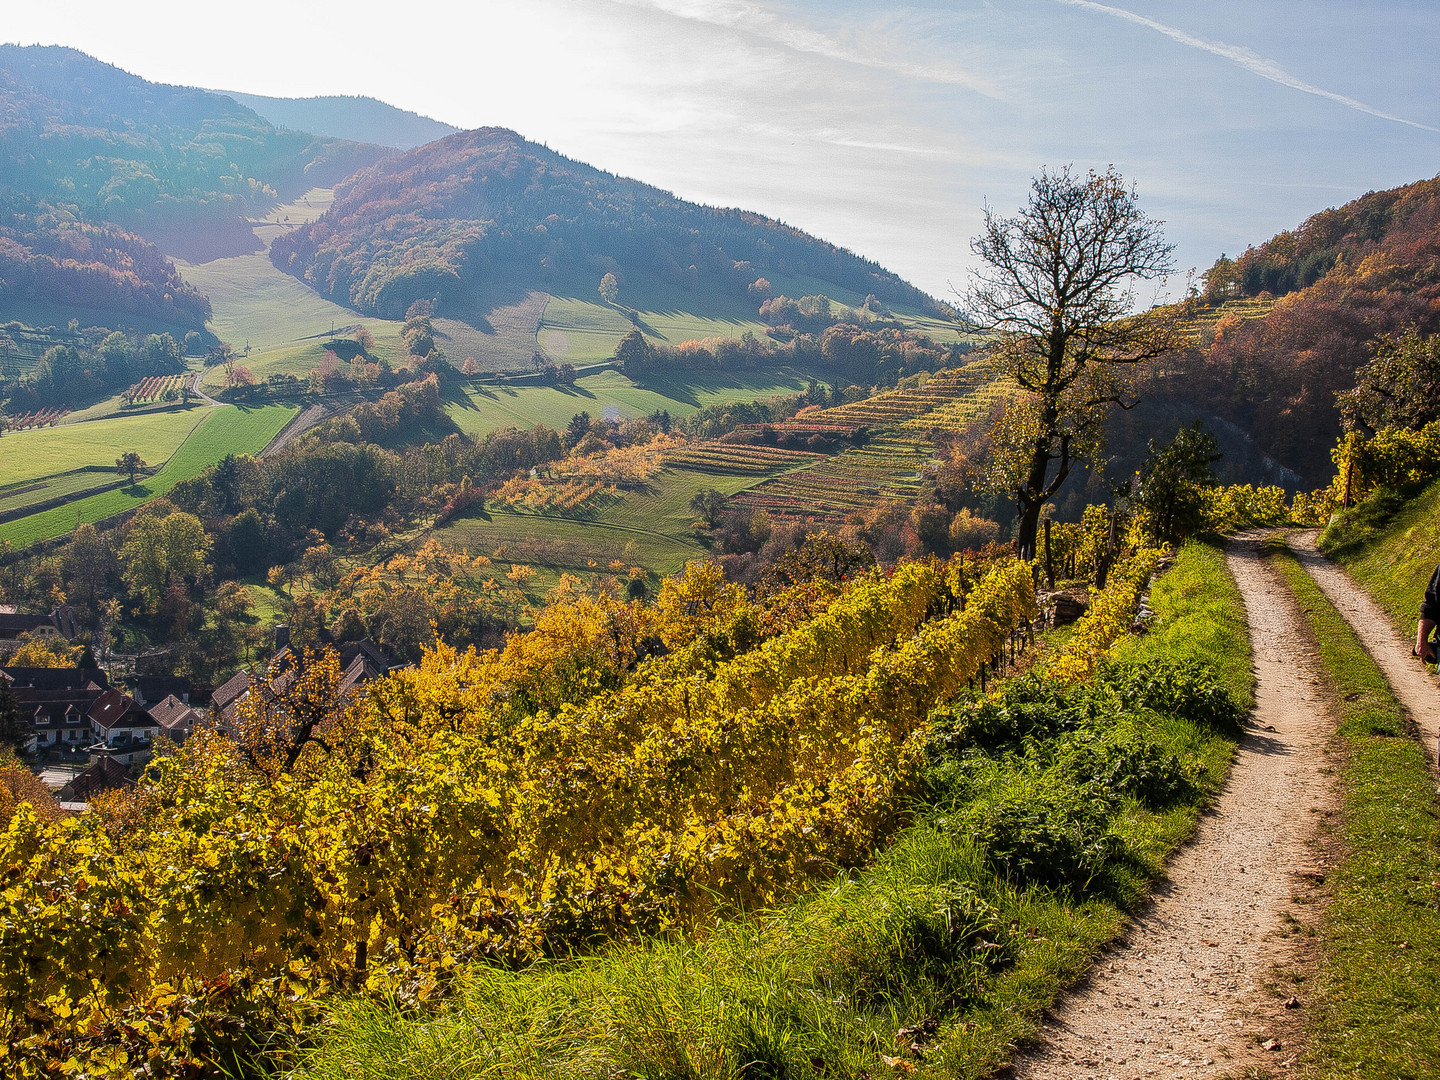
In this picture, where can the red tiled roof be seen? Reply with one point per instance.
(112, 708)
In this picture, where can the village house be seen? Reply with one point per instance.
(125, 730)
(151, 689)
(176, 718)
(361, 662)
(75, 709)
(60, 623)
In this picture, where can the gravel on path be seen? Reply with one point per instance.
(1183, 995)
(1412, 683)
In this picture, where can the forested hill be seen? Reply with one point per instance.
(1399, 228)
(438, 220)
(1343, 278)
(362, 119)
(79, 132)
(49, 255)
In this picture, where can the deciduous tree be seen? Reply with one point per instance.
(1170, 482)
(129, 463)
(609, 288)
(1399, 387)
(159, 549)
(1055, 292)
(707, 505)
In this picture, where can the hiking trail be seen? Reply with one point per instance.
(1187, 991)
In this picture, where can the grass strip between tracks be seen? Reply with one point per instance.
(1379, 1013)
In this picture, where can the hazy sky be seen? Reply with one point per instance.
(882, 127)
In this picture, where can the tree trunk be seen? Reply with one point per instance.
(1049, 562)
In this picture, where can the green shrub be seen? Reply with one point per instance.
(1035, 773)
(1042, 827)
(1188, 690)
(1026, 708)
(1127, 762)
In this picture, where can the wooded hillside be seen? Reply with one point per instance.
(78, 131)
(1345, 276)
(48, 254)
(437, 220)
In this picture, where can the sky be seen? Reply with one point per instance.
(883, 127)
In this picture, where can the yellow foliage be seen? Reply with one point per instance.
(1108, 618)
(45, 651)
(446, 818)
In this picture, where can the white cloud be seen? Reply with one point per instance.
(757, 21)
(1247, 58)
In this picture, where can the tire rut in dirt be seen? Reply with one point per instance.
(1391, 650)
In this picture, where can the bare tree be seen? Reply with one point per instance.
(1056, 295)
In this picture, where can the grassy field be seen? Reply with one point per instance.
(30, 492)
(281, 320)
(284, 322)
(226, 430)
(484, 408)
(1379, 1006)
(29, 455)
(649, 528)
(273, 313)
(579, 327)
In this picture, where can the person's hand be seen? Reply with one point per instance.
(1426, 652)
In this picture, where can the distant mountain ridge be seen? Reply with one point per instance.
(78, 131)
(98, 166)
(357, 118)
(442, 219)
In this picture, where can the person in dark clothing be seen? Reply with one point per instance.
(1429, 618)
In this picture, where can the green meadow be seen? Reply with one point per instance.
(216, 432)
(485, 407)
(282, 320)
(648, 527)
(579, 327)
(29, 455)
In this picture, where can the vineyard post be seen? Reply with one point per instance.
(1049, 562)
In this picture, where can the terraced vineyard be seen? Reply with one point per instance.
(890, 465)
(1209, 317)
(582, 523)
(835, 487)
(724, 458)
(894, 407)
(956, 414)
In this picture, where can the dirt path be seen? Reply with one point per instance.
(195, 389)
(310, 417)
(1412, 683)
(1182, 995)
